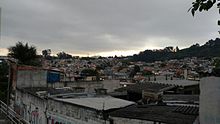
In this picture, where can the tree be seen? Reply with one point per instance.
(216, 70)
(24, 53)
(46, 53)
(63, 55)
(3, 80)
(89, 72)
(134, 71)
(217, 63)
(204, 5)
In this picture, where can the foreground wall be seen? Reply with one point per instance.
(209, 110)
(30, 107)
(65, 113)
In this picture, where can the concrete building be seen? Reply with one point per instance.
(89, 110)
(29, 76)
(42, 105)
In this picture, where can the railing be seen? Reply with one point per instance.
(11, 114)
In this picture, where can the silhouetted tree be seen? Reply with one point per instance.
(24, 53)
(63, 55)
(89, 72)
(46, 53)
(134, 71)
(204, 5)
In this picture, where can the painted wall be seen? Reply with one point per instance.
(41, 111)
(30, 107)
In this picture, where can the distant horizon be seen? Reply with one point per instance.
(4, 52)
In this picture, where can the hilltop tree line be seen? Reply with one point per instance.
(208, 50)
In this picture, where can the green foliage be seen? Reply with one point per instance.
(204, 5)
(201, 5)
(63, 55)
(3, 91)
(89, 72)
(216, 70)
(3, 80)
(46, 53)
(217, 63)
(3, 71)
(147, 73)
(208, 50)
(134, 71)
(24, 53)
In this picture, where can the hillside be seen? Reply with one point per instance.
(209, 49)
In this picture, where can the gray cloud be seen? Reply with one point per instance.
(93, 26)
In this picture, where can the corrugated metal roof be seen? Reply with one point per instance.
(180, 97)
(177, 82)
(163, 114)
(148, 86)
(98, 103)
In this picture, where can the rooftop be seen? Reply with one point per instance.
(177, 82)
(93, 101)
(152, 87)
(52, 92)
(179, 97)
(164, 114)
(98, 103)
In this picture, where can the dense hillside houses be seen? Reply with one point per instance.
(114, 91)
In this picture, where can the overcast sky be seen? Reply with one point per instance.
(104, 27)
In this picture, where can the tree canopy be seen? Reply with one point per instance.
(24, 53)
(46, 53)
(63, 55)
(204, 5)
(89, 72)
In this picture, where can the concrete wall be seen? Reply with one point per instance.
(31, 78)
(209, 109)
(30, 107)
(110, 85)
(72, 114)
(119, 120)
